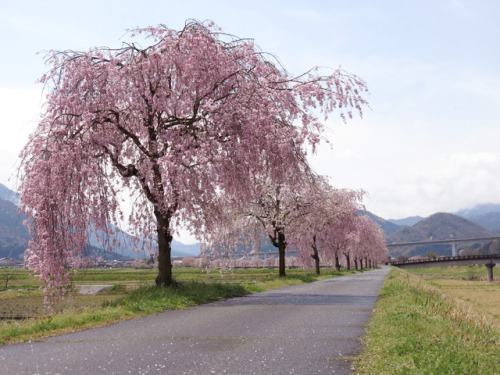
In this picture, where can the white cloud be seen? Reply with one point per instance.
(19, 109)
(459, 181)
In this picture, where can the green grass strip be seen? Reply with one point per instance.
(417, 329)
(153, 299)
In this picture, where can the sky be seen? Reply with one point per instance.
(428, 143)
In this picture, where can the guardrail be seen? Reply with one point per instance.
(488, 260)
(446, 259)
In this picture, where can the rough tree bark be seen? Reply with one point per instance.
(337, 263)
(281, 252)
(315, 256)
(164, 277)
(348, 261)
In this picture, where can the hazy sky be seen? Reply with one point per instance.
(429, 142)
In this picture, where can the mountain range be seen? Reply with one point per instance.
(14, 235)
(8, 195)
(440, 226)
(479, 221)
(487, 215)
(387, 226)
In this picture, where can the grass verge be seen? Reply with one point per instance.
(191, 289)
(418, 329)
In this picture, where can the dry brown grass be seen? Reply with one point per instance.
(484, 297)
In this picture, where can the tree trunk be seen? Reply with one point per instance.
(348, 260)
(356, 263)
(337, 263)
(164, 277)
(281, 251)
(315, 256)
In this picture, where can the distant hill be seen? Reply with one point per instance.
(407, 221)
(8, 195)
(487, 215)
(93, 253)
(129, 249)
(180, 249)
(386, 225)
(440, 226)
(14, 236)
(478, 210)
(490, 220)
(489, 248)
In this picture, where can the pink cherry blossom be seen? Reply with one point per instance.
(169, 127)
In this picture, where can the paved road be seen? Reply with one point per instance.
(306, 329)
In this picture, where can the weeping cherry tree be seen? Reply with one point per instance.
(167, 125)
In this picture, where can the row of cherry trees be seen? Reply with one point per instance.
(302, 214)
(227, 265)
(181, 128)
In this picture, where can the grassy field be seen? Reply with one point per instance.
(467, 284)
(24, 317)
(434, 321)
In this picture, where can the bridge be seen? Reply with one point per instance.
(452, 241)
(488, 260)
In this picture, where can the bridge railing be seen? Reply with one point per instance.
(444, 259)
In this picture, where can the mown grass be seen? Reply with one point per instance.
(133, 295)
(418, 329)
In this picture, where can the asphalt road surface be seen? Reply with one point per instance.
(305, 329)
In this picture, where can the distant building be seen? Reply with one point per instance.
(10, 263)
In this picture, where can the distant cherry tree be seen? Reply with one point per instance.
(328, 225)
(272, 208)
(167, 127)
(369, 242)
(336, 231)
